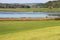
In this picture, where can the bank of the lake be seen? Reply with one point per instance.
(29, 10)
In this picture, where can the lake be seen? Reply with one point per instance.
(27, 14)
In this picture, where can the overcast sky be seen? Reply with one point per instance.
(23, 1)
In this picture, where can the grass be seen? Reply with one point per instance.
(30, 9)
(29, 30)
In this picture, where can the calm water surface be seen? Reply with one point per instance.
(25, 14)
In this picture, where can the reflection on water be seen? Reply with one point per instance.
(27, 14)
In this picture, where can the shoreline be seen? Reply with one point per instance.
(25, 19)
(29, 10)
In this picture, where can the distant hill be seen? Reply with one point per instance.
(55, 4)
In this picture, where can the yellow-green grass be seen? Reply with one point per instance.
(50, 33)
(29, 30)
(30, 9)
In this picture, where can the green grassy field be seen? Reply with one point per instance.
(29, 30)
(30, 9)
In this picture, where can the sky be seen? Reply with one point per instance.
(23, 1)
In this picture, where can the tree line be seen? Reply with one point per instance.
(6, 5)
(49, 4)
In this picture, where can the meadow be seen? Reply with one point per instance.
(30, 9)
(30, 30)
